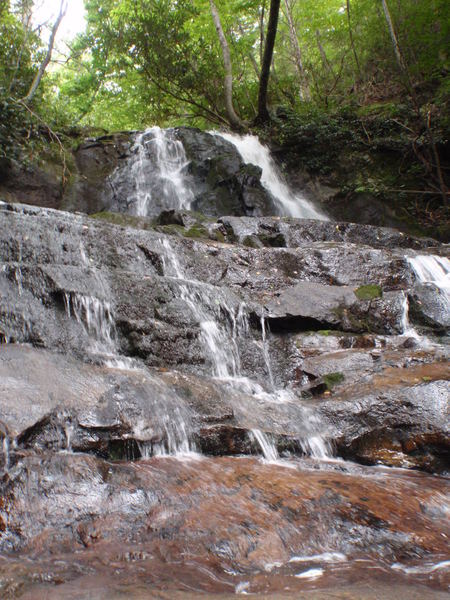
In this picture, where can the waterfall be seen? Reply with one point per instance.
(220, 326)
(267, 446)
(95, 315)
(96, 318)
(218, 339)
(289, 204)
(429, 268)
(266, 354)
(157, 167)
(407, 329)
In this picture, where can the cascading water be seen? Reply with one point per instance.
(156, 177)
(214, 334)
(218, 336)
(157, 167)
(289, 204)
(432, 269)
(407, 329)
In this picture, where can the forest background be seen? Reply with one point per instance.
(356, 87)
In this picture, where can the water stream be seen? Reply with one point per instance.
(434, 270)
(220, 329)
(157, 168)
(289, 203)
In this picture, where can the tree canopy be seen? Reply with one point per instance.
(231, 63)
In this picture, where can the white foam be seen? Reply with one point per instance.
(310, 574)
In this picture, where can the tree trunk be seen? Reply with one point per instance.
(234, 120)
(262, 12)
(395, 44)
(304, 88)
(37, 80)
(263, 113)
(352, 43)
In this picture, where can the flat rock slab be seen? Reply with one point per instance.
(312, 300)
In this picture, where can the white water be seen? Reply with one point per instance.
(5, 448)
(289, 204)
(157, 167)
(267, 446)
(429, 268)
(220, 327)
(266, 353)
(96, 317)
(310, 574)
(324, 557)
(407, 329)
(432, 270)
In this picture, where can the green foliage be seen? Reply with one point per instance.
(333, 379)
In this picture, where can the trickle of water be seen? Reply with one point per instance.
(18, 270)
(172, 435)
(407, 329)
(267, 446)
(95, 315)
(289, 204)
(158, 167)
(266, 355)
(316, 446)
(5, 447)
(83, 255)
(68, 430)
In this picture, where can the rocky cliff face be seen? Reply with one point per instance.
(124, 343)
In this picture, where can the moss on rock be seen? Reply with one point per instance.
(369, 292)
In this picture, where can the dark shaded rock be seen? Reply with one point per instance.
(429, 306)
(95, 161)
(41, 185)
(223, 183)
(171, 217)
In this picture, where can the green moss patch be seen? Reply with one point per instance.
(123, 220)
(333, 379)
(251, 241)
(369, 292)
(197, 231)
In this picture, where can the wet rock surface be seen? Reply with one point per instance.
(216, 524)
(122, 343)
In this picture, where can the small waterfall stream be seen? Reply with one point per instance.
(157, 165)
(432, 269)
(220, 328)
(289, 204)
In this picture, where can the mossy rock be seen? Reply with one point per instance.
(276, 240)
(251, 242)
(369, 292)
(171, 229)
(333, 379)
(197, 231)
(218, 236)
(123, 220)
